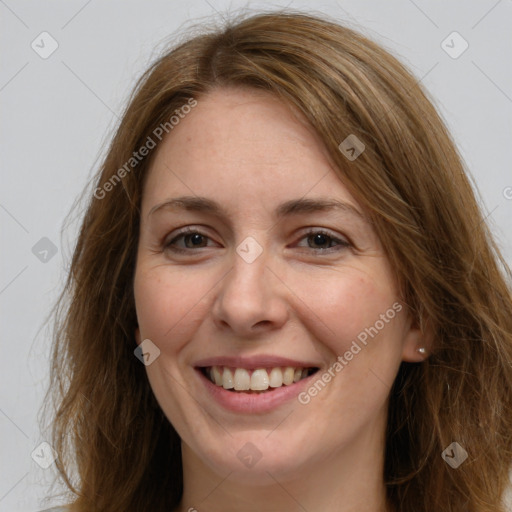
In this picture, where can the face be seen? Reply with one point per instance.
(263, 277)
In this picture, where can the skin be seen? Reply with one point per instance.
(248, 151)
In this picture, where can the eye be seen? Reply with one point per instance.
(191, 238)
(322, 241)
(317, 239)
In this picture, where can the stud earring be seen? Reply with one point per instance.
(422, 350)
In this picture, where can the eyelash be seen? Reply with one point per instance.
(343, 244)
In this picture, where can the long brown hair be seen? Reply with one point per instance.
(116, 449)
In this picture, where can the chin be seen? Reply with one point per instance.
(256, 462)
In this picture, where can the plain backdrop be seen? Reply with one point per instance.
(58, 113)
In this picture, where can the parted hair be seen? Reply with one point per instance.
(117, 451)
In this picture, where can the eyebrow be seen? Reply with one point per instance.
(286, 209)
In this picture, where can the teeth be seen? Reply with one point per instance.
(227, 379)
(261, 379)
(242, 380)
(288, 376)
(276, 378)
(217, 376)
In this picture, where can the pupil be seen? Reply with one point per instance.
(196, 238)
(320, 239)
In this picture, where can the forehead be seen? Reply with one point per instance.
(245, 148)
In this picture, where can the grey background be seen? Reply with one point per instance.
(58, 114)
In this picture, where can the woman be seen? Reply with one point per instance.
(284, 295)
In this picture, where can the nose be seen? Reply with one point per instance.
(251, 298)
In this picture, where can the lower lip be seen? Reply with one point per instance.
(241, 402)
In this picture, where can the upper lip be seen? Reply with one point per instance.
(253, 362)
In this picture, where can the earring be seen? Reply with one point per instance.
(422, 350)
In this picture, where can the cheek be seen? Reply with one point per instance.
(344, 305)
(168, 304)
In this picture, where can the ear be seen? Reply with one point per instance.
(416, 338)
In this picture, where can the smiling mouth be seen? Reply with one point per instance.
(259, 380)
